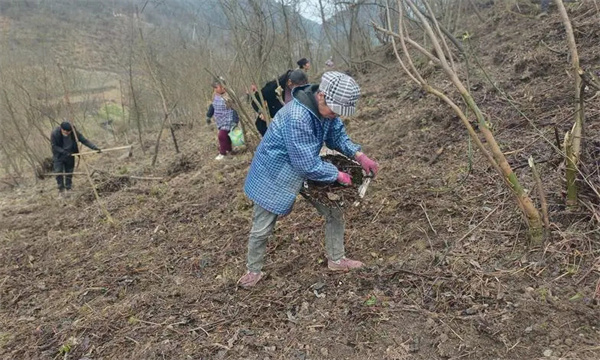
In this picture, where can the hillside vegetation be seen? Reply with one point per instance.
(450, 273)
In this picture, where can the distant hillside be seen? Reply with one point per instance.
(91, 33)
(78, 33)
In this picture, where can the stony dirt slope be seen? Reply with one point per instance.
(449, 273)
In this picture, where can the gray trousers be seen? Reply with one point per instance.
(263, 223)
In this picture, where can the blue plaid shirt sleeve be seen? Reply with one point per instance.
(338, 140)
(303, 148)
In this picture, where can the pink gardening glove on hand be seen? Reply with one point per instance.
(368, 165)
(344, 179)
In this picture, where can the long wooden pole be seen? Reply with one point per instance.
(103, 150)
(112, 175)
(62, 173)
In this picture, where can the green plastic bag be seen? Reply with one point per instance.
(237, 136)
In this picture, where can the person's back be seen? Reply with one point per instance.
(269, 95)
(293, 142)
(224, 116)
(271, 156)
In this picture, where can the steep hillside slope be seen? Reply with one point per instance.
(449, 273)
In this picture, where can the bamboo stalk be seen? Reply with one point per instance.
(573, 145)
(525, 202)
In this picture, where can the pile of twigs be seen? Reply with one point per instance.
(45, 166)
(335, 194)
(112, 184)
(181, 164)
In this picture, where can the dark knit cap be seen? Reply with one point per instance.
(298, 77)
(302, 62)
(66, 126)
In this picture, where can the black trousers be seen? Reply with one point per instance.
(261, 126)
(64, 165)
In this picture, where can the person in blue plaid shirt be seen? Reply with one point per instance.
(225, 117)
(289, 154)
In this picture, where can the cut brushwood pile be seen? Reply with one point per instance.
(336, 194)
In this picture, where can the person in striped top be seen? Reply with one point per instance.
(225, 118)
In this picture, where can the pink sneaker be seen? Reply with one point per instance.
(249, 280)
(344, 264)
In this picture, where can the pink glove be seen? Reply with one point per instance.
(344, 179)
(368, 165)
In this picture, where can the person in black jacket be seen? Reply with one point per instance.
(64, 145)
(275, 99)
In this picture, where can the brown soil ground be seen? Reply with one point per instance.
(449, 276)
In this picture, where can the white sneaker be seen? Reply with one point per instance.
(220, 157)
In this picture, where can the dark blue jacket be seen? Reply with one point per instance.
(56, 139)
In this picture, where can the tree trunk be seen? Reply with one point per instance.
(573, 142)
(495, 155)
(136, 109)
(288, 35)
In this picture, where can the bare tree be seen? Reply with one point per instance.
(443, 58)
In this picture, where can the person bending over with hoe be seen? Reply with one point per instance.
(225, 117)
(64, 144)
(289, 154)
(274, 94)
